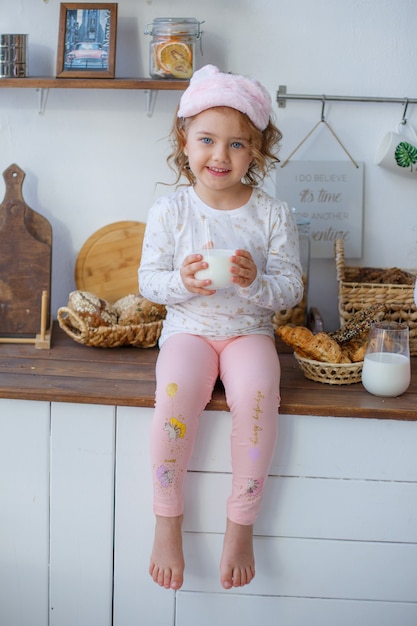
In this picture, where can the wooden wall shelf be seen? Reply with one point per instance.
(42, 84)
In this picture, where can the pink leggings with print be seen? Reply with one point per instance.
(186, 372)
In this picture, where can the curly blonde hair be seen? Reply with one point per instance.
(262, 145)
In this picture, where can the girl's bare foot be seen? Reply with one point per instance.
(167, 559)
(237, 565)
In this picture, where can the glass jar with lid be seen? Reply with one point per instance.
(298, 315)
(172, 47)
(303, 227)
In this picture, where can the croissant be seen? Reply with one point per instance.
(295, 336)
(319, 347)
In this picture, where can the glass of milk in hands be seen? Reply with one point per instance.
(216, 244)
(386, 367)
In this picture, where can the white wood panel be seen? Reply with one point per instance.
(24, 512)
(311, 508)
(332, 447)
(206, 609)
(82, 497)
(311, 568)
(314, 576)
(137, 599)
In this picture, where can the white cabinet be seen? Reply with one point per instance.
(137, 600)
(24, 512)
(222, 609)
(82, 511)
(336, 541)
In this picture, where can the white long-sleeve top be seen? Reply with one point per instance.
(264, 226)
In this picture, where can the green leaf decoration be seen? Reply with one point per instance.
(406, 155)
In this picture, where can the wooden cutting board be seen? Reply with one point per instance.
(107, 264)
(25, 261)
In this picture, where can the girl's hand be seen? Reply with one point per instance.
(192, 264)
(244, 269)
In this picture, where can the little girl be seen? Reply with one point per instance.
(223, 141)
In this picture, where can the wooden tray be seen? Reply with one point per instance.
(107, 264)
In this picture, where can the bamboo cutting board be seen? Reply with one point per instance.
(25, 260)
(107, 264)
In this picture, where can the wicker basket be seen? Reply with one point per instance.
(330, 373)
(139, 336)
(355, 296)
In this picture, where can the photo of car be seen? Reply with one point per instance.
(87, 55)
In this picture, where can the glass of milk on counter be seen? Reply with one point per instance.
(386, 366)
(215, 241)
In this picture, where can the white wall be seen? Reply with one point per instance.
(94, 157)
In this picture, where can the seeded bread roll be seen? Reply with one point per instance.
(359, 323)
(93, 310)
(135, 309)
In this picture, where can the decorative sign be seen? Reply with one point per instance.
(330, 195)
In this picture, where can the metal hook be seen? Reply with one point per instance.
(323, 104)
(404, 120)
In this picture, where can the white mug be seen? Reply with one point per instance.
(397, 152)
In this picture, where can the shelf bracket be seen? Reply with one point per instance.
(42, 98)
(150, 95)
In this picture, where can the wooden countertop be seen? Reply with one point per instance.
(70, 372)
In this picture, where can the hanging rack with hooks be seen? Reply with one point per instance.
(283, 96)
(322, 120)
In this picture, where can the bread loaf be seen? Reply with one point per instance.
(389, 276)
(93, 310)
(135, 309)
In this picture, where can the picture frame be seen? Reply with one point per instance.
(87, 40)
